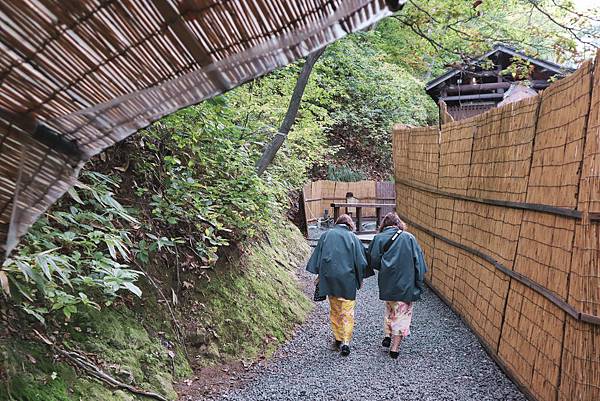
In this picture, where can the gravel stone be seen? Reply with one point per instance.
(440, 361)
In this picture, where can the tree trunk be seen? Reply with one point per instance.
(290, 116)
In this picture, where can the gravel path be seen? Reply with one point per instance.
(441, 360)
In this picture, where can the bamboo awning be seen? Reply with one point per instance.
(79, 75)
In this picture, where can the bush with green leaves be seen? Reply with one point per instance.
(344, 173)
(76, 255)
(195, 173)
(368, 96)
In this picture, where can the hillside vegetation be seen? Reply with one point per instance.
(172, 254)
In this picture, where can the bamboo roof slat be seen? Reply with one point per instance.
(92, 72)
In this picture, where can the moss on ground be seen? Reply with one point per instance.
(251, 304)
(117, 338)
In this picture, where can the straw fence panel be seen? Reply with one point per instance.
(83, 75)
(400, 135)
(319, 195)
(443, 268)
(445, 257)
(490, 229)
(589, 191)
(427, 243)
(419, 205)
(479, 296)
(531, 340)
(316, 204)
(444, 216)
(307, 195)
(559, 140)
(329, 193)
(545, 250)
(24, 168)
(456, 142)
(403, 195)
(366, 192)
(584, 291)
(584, 284)
(423, 152)
(512, 231)
(501, 155)
(580, 378)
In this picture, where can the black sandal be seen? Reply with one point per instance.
(386, 342)
(395, 343)
(345, 350)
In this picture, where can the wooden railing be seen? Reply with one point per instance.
(358, 215)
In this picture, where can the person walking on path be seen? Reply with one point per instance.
(339, 260)
(399, 259)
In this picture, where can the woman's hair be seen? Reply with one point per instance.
(347, 220)
(392, 220)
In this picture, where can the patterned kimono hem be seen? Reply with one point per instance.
(341, 314)
(397, 318)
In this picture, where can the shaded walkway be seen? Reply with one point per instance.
(441, 360)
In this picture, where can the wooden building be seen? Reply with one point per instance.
(471, 88)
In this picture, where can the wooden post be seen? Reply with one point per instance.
(336, 212)
(358, 219)
(378, 215)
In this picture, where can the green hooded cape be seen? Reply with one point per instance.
(401, 269)
(340, 261)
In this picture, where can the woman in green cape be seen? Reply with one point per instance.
(399, 259)
(340, 261)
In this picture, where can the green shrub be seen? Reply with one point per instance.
(75, 256)
(344, 173)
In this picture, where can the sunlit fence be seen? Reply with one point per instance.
(506, 205)
(319, 195)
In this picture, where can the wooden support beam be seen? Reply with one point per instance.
(452, 89)
(366, 205)
(482, 96)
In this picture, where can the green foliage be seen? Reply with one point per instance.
(344, 173)
(75, 256)
(260, 107)
(428, 35)
(197, 176)
(368, 96)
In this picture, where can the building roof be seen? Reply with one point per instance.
(76, 79)
(550, 66)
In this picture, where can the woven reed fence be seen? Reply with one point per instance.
(78, 76)
(319, 195)
(507, 207)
